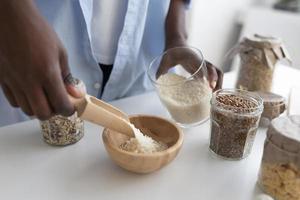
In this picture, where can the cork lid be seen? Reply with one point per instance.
(267, 49)
(274, 105)
(284, 132)
(263, 42)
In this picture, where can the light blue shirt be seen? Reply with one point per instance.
(141, 39)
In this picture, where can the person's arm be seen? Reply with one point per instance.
(176, 35)
(175, 26)
(33, 61)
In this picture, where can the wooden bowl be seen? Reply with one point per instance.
(159, 129)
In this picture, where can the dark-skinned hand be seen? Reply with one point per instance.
(33, 62)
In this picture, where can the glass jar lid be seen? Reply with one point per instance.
(274, 104)
(284, 132)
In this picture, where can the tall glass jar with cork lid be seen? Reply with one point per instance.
(258, 58)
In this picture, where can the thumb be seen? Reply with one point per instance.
(75, 87)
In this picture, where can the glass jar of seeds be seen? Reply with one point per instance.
(60, 130)
(258, 57)
(235, 116)
(280, 168)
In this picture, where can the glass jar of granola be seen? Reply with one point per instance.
(234, 121)
(60, 130)
(280, 168)
(258, 57)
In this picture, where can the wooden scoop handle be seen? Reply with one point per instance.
(96, 111)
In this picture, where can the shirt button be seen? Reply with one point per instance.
(97, 85)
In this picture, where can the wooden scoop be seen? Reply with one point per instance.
(96, 111)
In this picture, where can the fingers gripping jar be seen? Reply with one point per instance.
(280, 168)
(259, 56)
(181, 81)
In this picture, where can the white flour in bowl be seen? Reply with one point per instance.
(142, 143)
(188, 101)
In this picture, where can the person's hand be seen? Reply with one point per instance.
(215, 76)
(33, 62)
(190, 60)
(176, 36)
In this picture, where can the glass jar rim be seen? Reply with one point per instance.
(258, 109)
(165, 53)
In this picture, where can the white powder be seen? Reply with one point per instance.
(188, 101)
(142, 143)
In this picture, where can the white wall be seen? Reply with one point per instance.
(213, 25)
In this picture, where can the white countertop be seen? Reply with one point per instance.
(31, 169)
